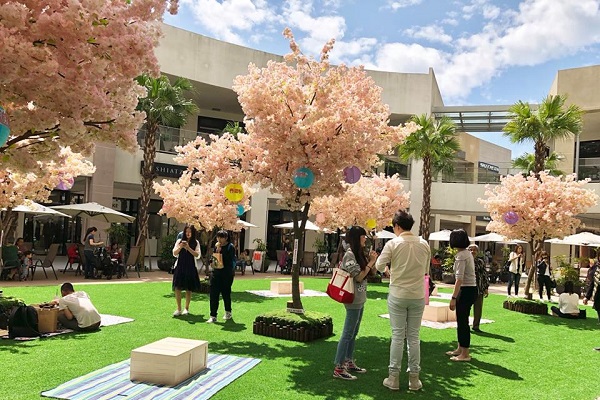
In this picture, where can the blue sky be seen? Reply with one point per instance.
(482, 51)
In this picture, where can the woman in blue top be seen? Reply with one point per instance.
(354, 262)
(88, 252)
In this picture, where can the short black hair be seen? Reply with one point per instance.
(403, 219)
(569, 287)
(67, 287)
(223, 234)
(459, 239)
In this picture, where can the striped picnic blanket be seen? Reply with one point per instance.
(112, 382)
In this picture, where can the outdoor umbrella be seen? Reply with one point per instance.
(578, 239)
(494, 237)
(290, 225)
(94, 211)
(246, 224)
(442, 236)
(38, 209)
(385, 235)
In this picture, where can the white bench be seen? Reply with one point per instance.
(168, 361)
(284, 287)
(437, 311)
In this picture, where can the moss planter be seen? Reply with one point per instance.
(6, 305)
(526, 306)
(204, 286)
(374, 278)
(297, 327)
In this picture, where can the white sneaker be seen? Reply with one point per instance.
(185, 312)
(211, 320)
(176, 313)
(227, 315)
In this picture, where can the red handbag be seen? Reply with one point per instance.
(341, 286)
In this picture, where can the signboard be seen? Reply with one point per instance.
(166, 170)
(489, 167)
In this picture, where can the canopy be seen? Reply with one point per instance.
(385, 235)
(494, 237)
(95, 211)
(32, 207)
(290, 225)
(246, 224)
(442, 236)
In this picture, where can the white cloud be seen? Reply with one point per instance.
(397, 4)
(408, 58)
(227, 19)
(432, 33)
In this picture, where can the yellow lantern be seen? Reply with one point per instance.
(371, 223)
(234, 192)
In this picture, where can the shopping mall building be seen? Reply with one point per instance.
(211, 66)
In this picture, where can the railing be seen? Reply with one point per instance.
(168, 138)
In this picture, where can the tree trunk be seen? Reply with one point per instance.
(148, 176)
(299, 219)
(426, 208)
(537, 247)
(540, 157)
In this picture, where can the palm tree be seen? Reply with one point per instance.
(526, 163)
(164, 105)
(436, 143)
(550, 122)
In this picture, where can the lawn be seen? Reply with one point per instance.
(517, 357)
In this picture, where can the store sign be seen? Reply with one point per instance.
(489, 167)
(485, 218)
(166, 170)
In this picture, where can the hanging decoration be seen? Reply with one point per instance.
(304, 178)
(320, 218)
(65, 184)
(371, 223)
(4, 127)
(234, 192)
(511, 217)
(240, 210)
(352, 174)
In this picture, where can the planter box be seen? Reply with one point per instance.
(260, 261)
(204, 286)
(302, 334)
(168, 361)
(527, 307)
(165, 265)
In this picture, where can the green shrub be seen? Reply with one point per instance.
(283, 318)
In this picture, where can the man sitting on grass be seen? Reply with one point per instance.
(76, 310)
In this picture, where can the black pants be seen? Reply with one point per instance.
(477, 310)
(581, 315)
(220, 285)
(90, 263)
(464, 302)
(544, 280)
(514, 278)
(73, 325)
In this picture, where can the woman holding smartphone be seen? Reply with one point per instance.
(185, 277)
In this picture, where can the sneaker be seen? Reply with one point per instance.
(353, 368)
(185, 312)
(341, 373)
(211, 320)
(176, 313)
(227, 315)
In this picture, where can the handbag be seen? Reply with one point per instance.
(341, 286)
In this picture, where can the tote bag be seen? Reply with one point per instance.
(341, 286)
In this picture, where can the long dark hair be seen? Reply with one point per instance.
(353, 239)
(89, 230)
(192, 242)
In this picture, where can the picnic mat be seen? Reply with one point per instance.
(443, 325)
(112, 382)
(268, 293)
(107, 320)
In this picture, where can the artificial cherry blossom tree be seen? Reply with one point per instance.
(67, 74)
(546, 206)
(37, 184)
(374, 198)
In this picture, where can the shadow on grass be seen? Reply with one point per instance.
(442, 378)
(494, 336)
(236, 297)
(577, 324)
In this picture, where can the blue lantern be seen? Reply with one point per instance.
(4, 128)
(304, 178)
(240, 210)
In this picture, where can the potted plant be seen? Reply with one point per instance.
(118, 234)
(166, 259)
(566, 272)
(448, 266)
(260, 263)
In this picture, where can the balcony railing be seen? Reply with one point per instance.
(168, 138)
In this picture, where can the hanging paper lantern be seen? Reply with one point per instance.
(65, 184)
(4, 128)
(304, 177)
(240, 210)
(351, 174)
(320, 218)
(371, 223)
(234, 192)
(511, 217)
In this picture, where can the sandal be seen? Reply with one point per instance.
(452, 353)
(460, 359)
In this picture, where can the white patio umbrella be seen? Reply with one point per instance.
(441, 236)
(494, 237)
(578, 239)
(290, 225)
(246, 224)
(94, 211)
(38, 209)
(385, 235)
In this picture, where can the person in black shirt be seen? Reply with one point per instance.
(222, 276)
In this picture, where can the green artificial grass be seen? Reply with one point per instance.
(519, 356)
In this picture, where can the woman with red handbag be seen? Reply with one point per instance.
(356, 264)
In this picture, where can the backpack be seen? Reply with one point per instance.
(23, 322)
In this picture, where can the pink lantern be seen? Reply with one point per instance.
(320, 218)
(351, 174)
(65, 184)
(511, 217)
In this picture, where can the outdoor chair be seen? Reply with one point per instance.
(243, 264)
(47, 262)
(132, 260)
(308, 262)
(322, 264)
(74, 255)
(10, 260)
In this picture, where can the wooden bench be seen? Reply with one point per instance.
(437, 311)
(284, 287)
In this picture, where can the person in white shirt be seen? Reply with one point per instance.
(76, 310)
(517, 265)
(408, 258)
(568, 304)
